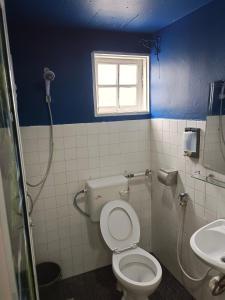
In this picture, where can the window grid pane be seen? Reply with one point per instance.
(128, 74)
(121, 84)
(107, 97)
(107, 74)
(127, 96)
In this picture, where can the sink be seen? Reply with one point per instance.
(208, 243)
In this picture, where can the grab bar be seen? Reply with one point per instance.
(147, 173)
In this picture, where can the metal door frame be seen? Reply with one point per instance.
(7, 272)
(15, 124)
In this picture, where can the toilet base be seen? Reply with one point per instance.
(119, 287)
(129, 296)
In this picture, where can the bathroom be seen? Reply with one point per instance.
(111, 127)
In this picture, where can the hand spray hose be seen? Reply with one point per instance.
(41, 183)
(183, 204)
(48, 76)
(51, 148)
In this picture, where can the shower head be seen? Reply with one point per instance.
(48, 77)
(48, 74)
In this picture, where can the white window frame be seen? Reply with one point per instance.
(142, 62)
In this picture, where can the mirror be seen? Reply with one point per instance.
(214, 148)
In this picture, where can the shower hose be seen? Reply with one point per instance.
(179, 251)
(41, 183)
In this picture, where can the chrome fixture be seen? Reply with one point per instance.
(49, 76)
(211, 179)
(183, 197)
(147, 173)
(217, 285)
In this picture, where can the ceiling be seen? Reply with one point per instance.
(122, 15)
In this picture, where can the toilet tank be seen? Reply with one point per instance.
(102, 190)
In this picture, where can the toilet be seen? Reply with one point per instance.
(138, 272)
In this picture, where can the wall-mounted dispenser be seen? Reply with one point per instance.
(167, 176)
(191, 142)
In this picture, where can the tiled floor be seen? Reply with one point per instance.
(101, 285)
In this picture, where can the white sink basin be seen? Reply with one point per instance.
(208, 243)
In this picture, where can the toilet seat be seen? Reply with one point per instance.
(146, 269)
(119, 226)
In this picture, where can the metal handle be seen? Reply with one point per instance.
(147, 173)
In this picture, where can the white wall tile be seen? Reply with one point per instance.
(82, 141)
(59, 155)
(93, 140)
(83, 151)
(206, 202)
(43, 144)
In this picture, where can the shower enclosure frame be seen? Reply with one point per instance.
(15, 124)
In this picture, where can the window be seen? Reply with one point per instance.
(120, 83)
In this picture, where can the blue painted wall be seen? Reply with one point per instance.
(192, 55)
(68, 53)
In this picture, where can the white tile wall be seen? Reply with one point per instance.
(207, 202)
(94, 150)
(83, 151)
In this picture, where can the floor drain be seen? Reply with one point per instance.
(223, 259)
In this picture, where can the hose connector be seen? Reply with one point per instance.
(183, 198)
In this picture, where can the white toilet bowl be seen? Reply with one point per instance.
(138, 272)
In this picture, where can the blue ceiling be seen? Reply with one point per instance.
(122, 15)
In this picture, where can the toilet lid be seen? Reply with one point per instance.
(119, 225)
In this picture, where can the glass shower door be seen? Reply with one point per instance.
(12, 177)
